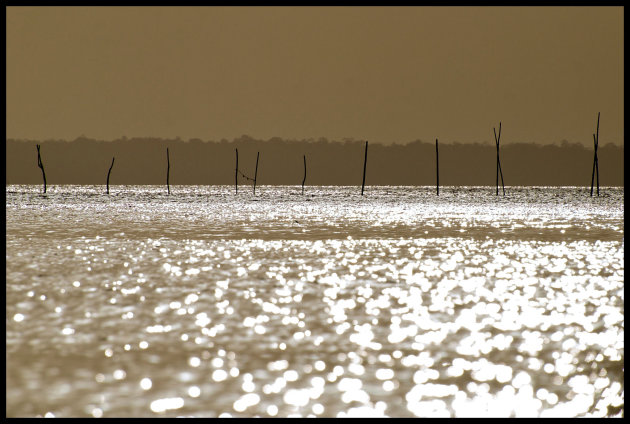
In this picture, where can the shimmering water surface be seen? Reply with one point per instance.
(397, 303)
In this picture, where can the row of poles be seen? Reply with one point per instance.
(499, 172)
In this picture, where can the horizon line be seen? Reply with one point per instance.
(311, 140)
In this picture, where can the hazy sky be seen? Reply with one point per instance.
(385, 74)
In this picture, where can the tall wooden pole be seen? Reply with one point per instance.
(109, 172)
(304, 180)
(256, 172)
(168, 171)
(595, 161)
(497, 167)
(437, 168)
(41, 166)
(364, 166)
(236, 173)
(497, 140)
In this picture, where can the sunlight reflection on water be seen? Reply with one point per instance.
(397, 303)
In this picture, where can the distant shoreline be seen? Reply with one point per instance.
(142, 161)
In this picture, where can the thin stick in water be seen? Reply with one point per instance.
(595, 166)
(304, 180)
(41, 166)
(256, 172)
(497, 140)
(109, 172)
(364, 166)
(595, 161)
(497, 173)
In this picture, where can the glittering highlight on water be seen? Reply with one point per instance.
(332, 304)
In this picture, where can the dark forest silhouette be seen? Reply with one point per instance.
(141, 161)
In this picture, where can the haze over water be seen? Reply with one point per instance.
(397, 303)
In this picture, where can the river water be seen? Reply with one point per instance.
(397, 303)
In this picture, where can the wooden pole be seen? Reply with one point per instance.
(256, 172)
(236, 173)
(437, 168)
(364, 166)
(595, 161)
(597, 169)
(109, 172)
(41, 166)
(497, 140)
(304, 180)
(168, 170)
(497, 173)
(500, 170)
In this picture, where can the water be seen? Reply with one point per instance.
(398, 303)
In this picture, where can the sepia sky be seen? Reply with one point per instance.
(385, 74)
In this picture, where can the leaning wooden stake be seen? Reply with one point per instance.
(168, 170)
(497, 141)
(109, 172)
(595, 161)
(437, 168)
(364, 166)
(41, 166)
(256, 172)
(236, 173)
(304, 180)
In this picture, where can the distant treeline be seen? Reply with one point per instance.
(143, 161)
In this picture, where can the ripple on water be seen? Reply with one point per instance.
(365, 307)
